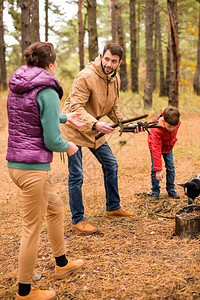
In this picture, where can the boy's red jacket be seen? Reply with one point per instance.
(161, 141)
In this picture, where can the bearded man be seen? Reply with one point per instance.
(94, 94)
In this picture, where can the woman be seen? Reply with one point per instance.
(34, 132)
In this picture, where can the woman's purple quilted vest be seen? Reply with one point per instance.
(25, 141)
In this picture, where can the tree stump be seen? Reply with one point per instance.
(187, 221)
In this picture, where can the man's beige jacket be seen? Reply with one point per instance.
(93, 94)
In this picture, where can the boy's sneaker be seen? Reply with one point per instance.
(154, 197)
(38, 295)
(173, 195)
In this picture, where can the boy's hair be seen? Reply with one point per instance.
(114, 49)
(40, 54)
(171, 115)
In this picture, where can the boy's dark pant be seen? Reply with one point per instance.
(170, 174)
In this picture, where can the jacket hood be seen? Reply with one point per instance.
(26, 78)
(97, 68)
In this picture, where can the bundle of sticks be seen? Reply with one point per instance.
(131, 128)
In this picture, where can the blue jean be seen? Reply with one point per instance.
(170, 173)
(110, 168)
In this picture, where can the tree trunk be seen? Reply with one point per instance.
(196, 83)
(149, 53)
(160, 53)
(35, 24)
(174, 53)
(80, 35)
(138, 34)
(46, 20)
(155, 57)
(25, 21)
(113, 20)
(168, 68)
(92, 29)
(134, 60)
(3, 74)
(120, 32)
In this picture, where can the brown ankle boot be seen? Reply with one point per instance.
(38, 295)
(84, 227)
(71, 267)
(119, 213)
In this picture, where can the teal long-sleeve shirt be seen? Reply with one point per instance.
(49, 105)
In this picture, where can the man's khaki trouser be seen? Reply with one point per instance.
(38, 201)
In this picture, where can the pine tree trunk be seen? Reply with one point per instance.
(92, 29)
(46, 20)
(160, 53)
(80, 35)
(155, 59)
(196, 83)
(168, 68)
(138, 33)
(35, 24)
(174, 53)
(134, 60)
(123, 68)
(25, 21)
(149, 53)
(3, 74)
(113, 20)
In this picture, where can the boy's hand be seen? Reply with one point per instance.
(159, 175)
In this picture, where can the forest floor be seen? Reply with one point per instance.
(128, 258)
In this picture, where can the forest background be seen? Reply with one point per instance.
(80, 29)
(134, 258)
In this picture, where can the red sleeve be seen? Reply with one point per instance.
(156, 146)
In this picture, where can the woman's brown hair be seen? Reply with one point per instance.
(40, 54)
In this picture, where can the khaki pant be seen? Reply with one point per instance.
(38, 201)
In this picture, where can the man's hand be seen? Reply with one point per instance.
(72, 149)
(103, 127)
(159, 175)
(73, 119)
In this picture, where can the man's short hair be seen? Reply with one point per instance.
(171, 115)
(114, 49)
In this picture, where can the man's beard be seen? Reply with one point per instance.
(108, 73)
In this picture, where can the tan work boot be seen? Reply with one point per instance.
(84, 227)
(119, 213)
(71, 267)
(38, 295)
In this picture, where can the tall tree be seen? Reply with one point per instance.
(196, 83)
(25, 25)
(35, 24)
(149, 12)
(134, 59)
(160, 52)
(80, 35)
(3, 73)
(113, 20)
(174, 53)
(92, 29)
(120, 40)
(46, 20)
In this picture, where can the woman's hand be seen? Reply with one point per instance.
(73, 119)
(72, 149)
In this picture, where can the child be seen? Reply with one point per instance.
(161, 142)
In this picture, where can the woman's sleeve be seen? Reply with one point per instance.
(49, 105)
